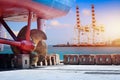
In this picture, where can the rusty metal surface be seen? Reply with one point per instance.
(20, 36)
(37, 35)
(41, 48)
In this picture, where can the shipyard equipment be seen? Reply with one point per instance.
(92, 34)
(30, 41)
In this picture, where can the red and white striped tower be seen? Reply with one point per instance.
(78, 23)
(93, 23)
(93, 17)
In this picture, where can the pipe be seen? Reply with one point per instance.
(9, 42)
(28, 27)
(23, 45)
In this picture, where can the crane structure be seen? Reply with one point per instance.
(78, 23)
(89, 34)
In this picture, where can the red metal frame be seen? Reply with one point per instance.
(39, 23)
(25, 45)
(10, 42)
(28, 26)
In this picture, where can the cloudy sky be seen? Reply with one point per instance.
(61, 30)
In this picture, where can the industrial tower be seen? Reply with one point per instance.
(93, 23)
(90, 34)
(78, 23)
(98, 30)
(81, 30)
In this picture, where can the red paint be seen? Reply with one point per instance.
(28, 26)
(39, 23)
(17, 10)
(12, 8)
(27, 45)
(23, 45)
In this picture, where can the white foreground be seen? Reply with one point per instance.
(65, 72)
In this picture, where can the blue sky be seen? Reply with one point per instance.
(61, 30)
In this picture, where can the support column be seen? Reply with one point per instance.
(40, 23)
(28, 26)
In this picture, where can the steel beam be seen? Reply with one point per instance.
(9, 42)
(23, 45)
(8, 29)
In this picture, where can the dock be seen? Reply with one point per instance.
(64, 72)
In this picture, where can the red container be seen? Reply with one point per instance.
(86, 59)
(115, 59)
(103, 59)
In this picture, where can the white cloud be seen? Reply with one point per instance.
(86, 12)
(55, 23)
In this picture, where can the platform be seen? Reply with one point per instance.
(64, 72)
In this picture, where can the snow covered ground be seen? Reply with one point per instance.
(64, 72)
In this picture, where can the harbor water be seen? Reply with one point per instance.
(74, 50)
(83, 50)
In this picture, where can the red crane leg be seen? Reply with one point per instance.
(39, 23)
(28, 26)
